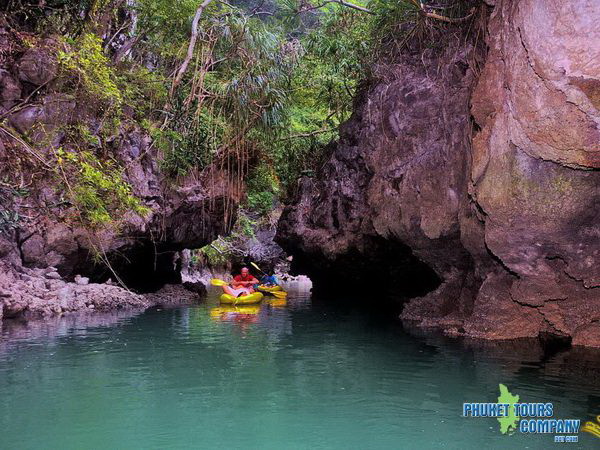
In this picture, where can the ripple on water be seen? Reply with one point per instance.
(300, 376)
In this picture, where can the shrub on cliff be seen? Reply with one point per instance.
(96, 189)
(89, 72)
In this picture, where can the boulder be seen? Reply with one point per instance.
(81, 281)
(38, 65)
(587, 335)
(10, 90)
(195, 286)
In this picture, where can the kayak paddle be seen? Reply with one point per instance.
(258, 268)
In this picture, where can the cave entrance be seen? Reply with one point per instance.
(143, 268)
(386, 268)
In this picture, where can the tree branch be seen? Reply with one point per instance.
(191, 46)
(305, 135)
(353, 6)
(428, 11)
(448, 19)
(339, 2)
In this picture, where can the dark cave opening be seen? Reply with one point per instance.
(143, 268)
(388, 269)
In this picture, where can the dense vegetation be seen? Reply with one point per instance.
(258, 87)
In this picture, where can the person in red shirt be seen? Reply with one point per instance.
(245, 279)
(241, 284)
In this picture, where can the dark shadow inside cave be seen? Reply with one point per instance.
(385, 268)
(144, 268)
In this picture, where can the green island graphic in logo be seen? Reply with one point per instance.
(509, 423)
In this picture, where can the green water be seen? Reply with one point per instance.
(306, 375)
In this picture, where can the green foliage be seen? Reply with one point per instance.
(215, 254)
(9, 220)
(254, 83)
(190, 142)
(165, 25)
(88, 64)
(262, 189)
(262, 96)
(334, 62)
(143, 91)
(81, 135)
(65, 17)
(261, 202)
(226, 249)
(234, 106)
(244, 226)
(97, 189)
(389, 24)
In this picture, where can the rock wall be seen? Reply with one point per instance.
(38, 233)
(36, 110)
(394, 190)
(533, 176)
(486, 175)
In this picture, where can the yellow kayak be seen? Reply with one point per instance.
(276, 302)
(269, 288)
(225, 310)
(251, 299)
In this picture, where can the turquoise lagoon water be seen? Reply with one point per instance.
(306, 375)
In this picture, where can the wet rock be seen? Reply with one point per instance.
(38, 65)
(10, 90)
(42, 122)
(527, 176)
(24, 120)
(9, 250)
(33, 249)
(587, 335)
(196, 287)
(32, 296)
(263, 250)
(82, 281)
(172, 294)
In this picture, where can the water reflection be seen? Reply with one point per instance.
(52, 328)
(299, 374)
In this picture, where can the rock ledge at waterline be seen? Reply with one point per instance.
(36, 293)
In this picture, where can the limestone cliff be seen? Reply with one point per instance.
(486, 174)
(39, 228)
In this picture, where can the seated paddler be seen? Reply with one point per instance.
(269, 280)
(242, 284)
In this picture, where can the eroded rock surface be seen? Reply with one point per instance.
(487, 176)
(395, 188)
(41, 228)
(37, 293)
(34, 293)
(184, 213)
